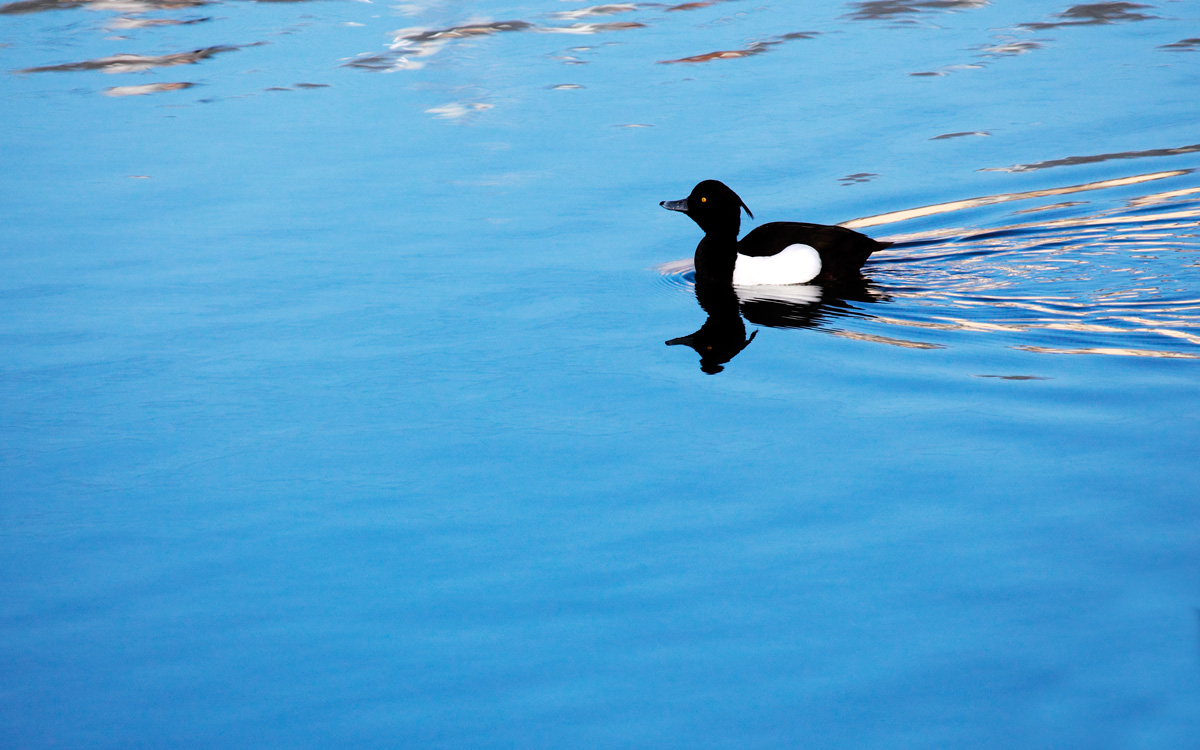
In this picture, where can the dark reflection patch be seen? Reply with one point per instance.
(1183, 45)
(875, 10)
(1094, 14)
(694, 6)
(38, 6)
(1094, 158)
(857, 178)
(128, 63)
(757, 48)
(371, 62)
(945, 136)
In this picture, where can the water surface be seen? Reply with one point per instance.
(335, 407)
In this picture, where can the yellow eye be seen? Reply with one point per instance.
(704, 200)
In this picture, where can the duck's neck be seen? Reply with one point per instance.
(715, 258)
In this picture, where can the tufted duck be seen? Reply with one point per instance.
(778, 253)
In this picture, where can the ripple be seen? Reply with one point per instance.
(128, 23)
(888, 10)
(694, 6)
(1183, 45)
(147, 88)
(592, 28)
(596, 10)
(756, 48)
(959, 205)
(1117, 282)
(130, 63)
(122, 6)
(947, 136)
(458, 110)
(1011, 48)
(1071, 161)
(1095, 14)
(677, 274)
(857, 178)
(409, 46)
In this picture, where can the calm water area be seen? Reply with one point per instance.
(335, 409)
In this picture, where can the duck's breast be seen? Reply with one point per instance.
(795, 264)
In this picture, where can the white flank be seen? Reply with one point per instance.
(795, 264)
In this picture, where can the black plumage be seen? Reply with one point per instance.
(717, 209)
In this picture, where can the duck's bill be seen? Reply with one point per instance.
(675, 205)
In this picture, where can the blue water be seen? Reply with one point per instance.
(335, 409)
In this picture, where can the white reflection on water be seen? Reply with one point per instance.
(941, 208)
(126, 23)
(147, 88)
(410, 46)
(458, 110)
(595, 10)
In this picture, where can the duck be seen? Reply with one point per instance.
(779, 253)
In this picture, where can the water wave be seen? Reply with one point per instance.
(131, 63)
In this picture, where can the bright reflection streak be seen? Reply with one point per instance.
(1110, 350)
(987, 200)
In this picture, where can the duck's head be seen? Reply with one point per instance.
(713, 206)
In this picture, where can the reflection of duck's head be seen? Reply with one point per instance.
(713, 206)
(723, 335)
(718, 341)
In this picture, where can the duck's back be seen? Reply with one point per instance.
(843, 251)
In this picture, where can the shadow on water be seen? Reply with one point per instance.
(1121, 280)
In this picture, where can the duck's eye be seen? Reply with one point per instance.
(704, 200)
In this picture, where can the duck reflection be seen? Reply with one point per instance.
(723, 335)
